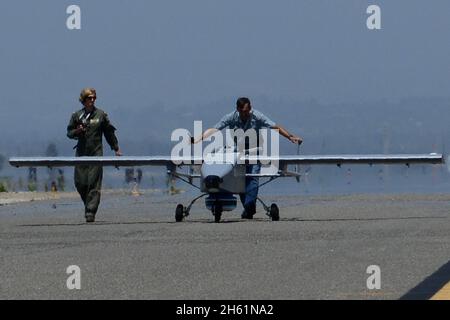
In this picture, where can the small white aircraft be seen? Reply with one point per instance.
(220, 181)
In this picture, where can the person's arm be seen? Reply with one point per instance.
(206, 134)
(223, 123)
(74, 129)
(267, 122)
(287, 135)
(110, 136)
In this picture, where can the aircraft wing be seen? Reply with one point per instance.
(128, 161)
(431, 158)
(98, 161)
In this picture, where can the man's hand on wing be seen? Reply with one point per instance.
(295, 139)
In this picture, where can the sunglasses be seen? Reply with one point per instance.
(91, 98)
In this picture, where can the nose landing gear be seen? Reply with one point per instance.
(217, 207)
(217, 212)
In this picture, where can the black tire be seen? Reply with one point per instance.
(274, 212)
(179, 213)
(217, 212)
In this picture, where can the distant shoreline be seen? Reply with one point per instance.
(18, 197)
(7, 198)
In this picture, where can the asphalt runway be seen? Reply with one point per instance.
(320, 249)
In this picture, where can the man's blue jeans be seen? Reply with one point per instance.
(248, 198)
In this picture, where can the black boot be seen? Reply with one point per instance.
(90, 217)
(249, 211)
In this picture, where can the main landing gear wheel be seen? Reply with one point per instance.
(217, 212)
(179, 213)
(274, 212)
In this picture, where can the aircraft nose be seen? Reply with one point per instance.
(212, 182)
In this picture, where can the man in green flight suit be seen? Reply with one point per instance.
(88, 126)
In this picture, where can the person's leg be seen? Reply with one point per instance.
(242, 196)
(251, 190)
(81, 184)
(94, 191)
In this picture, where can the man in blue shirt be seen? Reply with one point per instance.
(247, 118)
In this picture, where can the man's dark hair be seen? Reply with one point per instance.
(242, 101)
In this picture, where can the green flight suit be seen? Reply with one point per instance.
(88, 179)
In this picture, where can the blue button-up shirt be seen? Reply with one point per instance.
(257, 120)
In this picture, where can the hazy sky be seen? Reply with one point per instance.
(188, 52)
